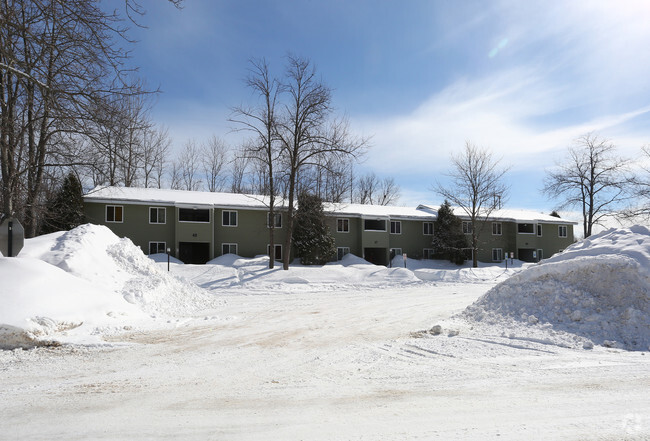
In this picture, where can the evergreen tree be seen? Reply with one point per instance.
(65, 209)
(311, 237)
(449, 240)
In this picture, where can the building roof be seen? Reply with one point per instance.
(510, 215)
(180, 198)
(176, 197)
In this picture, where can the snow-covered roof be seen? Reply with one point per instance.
(181, 198)
(509, 215)
(379, 211)
(177, 197)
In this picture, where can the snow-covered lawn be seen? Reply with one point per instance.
(232, 350)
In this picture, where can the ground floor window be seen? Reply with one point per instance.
(342, 251)
(157, 247)
(497, 254)
(228, 248)
(427, 253)
(277, 255)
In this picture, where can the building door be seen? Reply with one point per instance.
(378, 256)
(194, 252)
(527, 254)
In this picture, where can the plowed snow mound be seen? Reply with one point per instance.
(598, 289)
(94, 253)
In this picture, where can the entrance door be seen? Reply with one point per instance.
(527, 254)
(378, 256)
(194, 252)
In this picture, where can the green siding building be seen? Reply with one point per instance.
(198, 226)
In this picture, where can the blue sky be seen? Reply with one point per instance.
(522, 78)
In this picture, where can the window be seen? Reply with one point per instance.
(278, 220)
(395, 227)
(228, 248)
(540, 254)
(157, 247)
(467, 227)
(561, 231)
(497, 228)
(342, 225)
(427, 228)
(427, 253)
(526, 228)
(497, 254)
(193, 215)
(539, 230)
(114, 213)
(229, 218)
(157, 215)
(342, 251)
(374, 225)
(277, 255)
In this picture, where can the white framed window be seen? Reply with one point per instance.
(467, 227)
(497, 254)
(427, 253)
(277, 254)
(427, 228)
(157, 215)
(157, 247)
(115, 213)
(395, 227)
(539, 230)
(343, 225)
(228, 248)
(497, 229)
(277, 220)
(562, 231)
(342, 251)
(229, 218)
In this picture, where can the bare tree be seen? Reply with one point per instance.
(156, 144)
(264, 148)
(56, 59)
(176, 176)
(367, 186)
(592, 178)
(189, 162)
(213, 159)
(307, 132)
(374, 191)
(238, 167)
(389, 192)
(476, 186)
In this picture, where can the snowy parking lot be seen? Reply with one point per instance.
(342, 352)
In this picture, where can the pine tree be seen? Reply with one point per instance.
(311, 237)
(449, 240)
(65, 209)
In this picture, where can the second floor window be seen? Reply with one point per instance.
(229, 218)
(278, 220)
(496, 228)
(561, 231)
(427, 228)
(114, 213)
(467, 227)
(157, 215)
(395, 227)
(342, 225)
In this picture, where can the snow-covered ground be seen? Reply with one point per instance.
(233, 350)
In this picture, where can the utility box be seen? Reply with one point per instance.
(12, 237)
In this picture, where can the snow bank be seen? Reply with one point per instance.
(84, 276)
(598, 289)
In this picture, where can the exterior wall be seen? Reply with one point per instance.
(135, 224)
(412, 240)
(251, 233)
(351, 239)
(193, 231)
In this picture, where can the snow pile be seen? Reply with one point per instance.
(87, 276)
(598, 289)
(94, 253)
